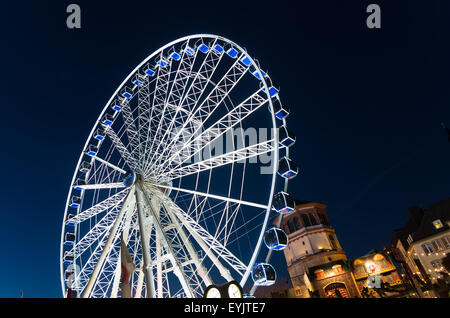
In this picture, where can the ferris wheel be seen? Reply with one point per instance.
(180, 178)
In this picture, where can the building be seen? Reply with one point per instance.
(423, 243)
(316, 262)
(375, 268)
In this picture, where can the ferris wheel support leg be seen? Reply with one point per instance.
(148, 271)
(177, 268)
(225, 273)
(140, 283)
(192, 253)
(107, 247)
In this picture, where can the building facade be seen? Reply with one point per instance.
(423, 243)
(375, 268)
(316, 262)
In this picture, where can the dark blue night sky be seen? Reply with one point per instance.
(366, 108)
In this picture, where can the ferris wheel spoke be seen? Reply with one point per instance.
(128, 205)
(102, 227)
(158, 103)
(114, 185)
(213, 100)
(178, 268)
(204, 238)
(218, 129)
(99, 207)
(213, 196)
(130, 126)
(182, 76)
(238, 155)
(129, 159)
(195, 90)
(109, 164)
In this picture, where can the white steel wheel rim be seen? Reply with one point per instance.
(82, 158)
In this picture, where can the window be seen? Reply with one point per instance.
(446, 241)
(437, 244)
(332, 242)
(291, 226)
(427, 248)
(437, 224)
(320, 274)
(409, 239)
(305, 220)
(297, 224)
(312, 219)
(436, 264)
(338, 269)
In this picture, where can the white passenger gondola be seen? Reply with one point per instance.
(138, 80)
(202, 46)
(189, 49)
(99, 134)
(287, 168)
(275, 239)
(286, 137)
(281, 111)
(283, 203)
(79, 183)
(85, 167)
(231, 51)
(108, 119)
(126, 92)
(92, 150)
(68, 257)
(129, 179)
(69, 238)
(69, 221)
(149, 70)
(175, 53)
(75, 202)
(263, 274)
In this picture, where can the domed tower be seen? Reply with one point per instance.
(316, 262)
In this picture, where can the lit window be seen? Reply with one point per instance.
(338, 269)
(427, 248)
(437, 224)
(320, 274)
(409, 239)
(446, 241)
